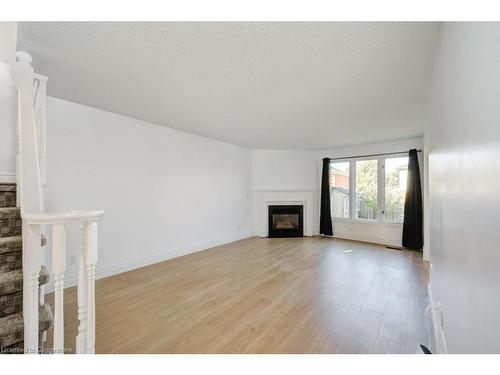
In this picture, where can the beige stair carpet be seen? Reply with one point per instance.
(11, 276)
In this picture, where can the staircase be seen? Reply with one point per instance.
(11, 277)
(24, 317)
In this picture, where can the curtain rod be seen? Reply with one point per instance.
(365, 156)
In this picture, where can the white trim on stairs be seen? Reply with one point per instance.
(7, 178)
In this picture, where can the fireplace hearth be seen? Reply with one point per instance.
(286, 221)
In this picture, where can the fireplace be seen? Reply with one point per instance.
(286, 221)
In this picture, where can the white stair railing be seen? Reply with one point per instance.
(30, 199)
(85, 340)
(39, 114)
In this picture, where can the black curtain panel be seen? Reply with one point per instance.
(412, 225)
(325, 218)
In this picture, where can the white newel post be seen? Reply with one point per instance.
(90, 262)
(58, 266)
(28, 184)
(31, 272)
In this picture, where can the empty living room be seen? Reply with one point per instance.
(231, 185)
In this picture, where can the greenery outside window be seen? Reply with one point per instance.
(366, 189)
(369, 189)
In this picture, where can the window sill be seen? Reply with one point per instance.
(365, 221)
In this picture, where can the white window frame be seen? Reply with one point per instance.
(394, 156)
(380, 189)
(350, 195)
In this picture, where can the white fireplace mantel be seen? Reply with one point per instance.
(264, 198)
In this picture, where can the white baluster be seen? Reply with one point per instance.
(41, 300)
(31, 271)
(85, 340)
(91, 309)
(58, 266)
(90, 261)
(81, 339)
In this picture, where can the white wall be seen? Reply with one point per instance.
(283, 171)
(464, 168)
(164, 192)
(8, 101)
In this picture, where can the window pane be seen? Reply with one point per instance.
(396, 170)
(366, 189)
(339, 189)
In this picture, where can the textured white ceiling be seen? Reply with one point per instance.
(260, 85)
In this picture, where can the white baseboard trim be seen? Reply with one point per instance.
(440, 346)
(363, 238)
(103, 272)
(7, 178)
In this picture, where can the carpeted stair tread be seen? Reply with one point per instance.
(10, 213)
(12, 281)
(10, 221)
(12, 326)
(11, 275)
(11, 243)
(8, 195)
(17, 348)
(8, 187)
(11, 257)
(15, 243)
(11, 261)
(11, 303)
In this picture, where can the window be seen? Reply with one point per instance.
(366, 189)
(396, 170)
(369, 189)
(339, 189)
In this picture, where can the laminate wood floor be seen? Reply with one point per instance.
(263, 295)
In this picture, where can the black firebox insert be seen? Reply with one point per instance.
(286, 221)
